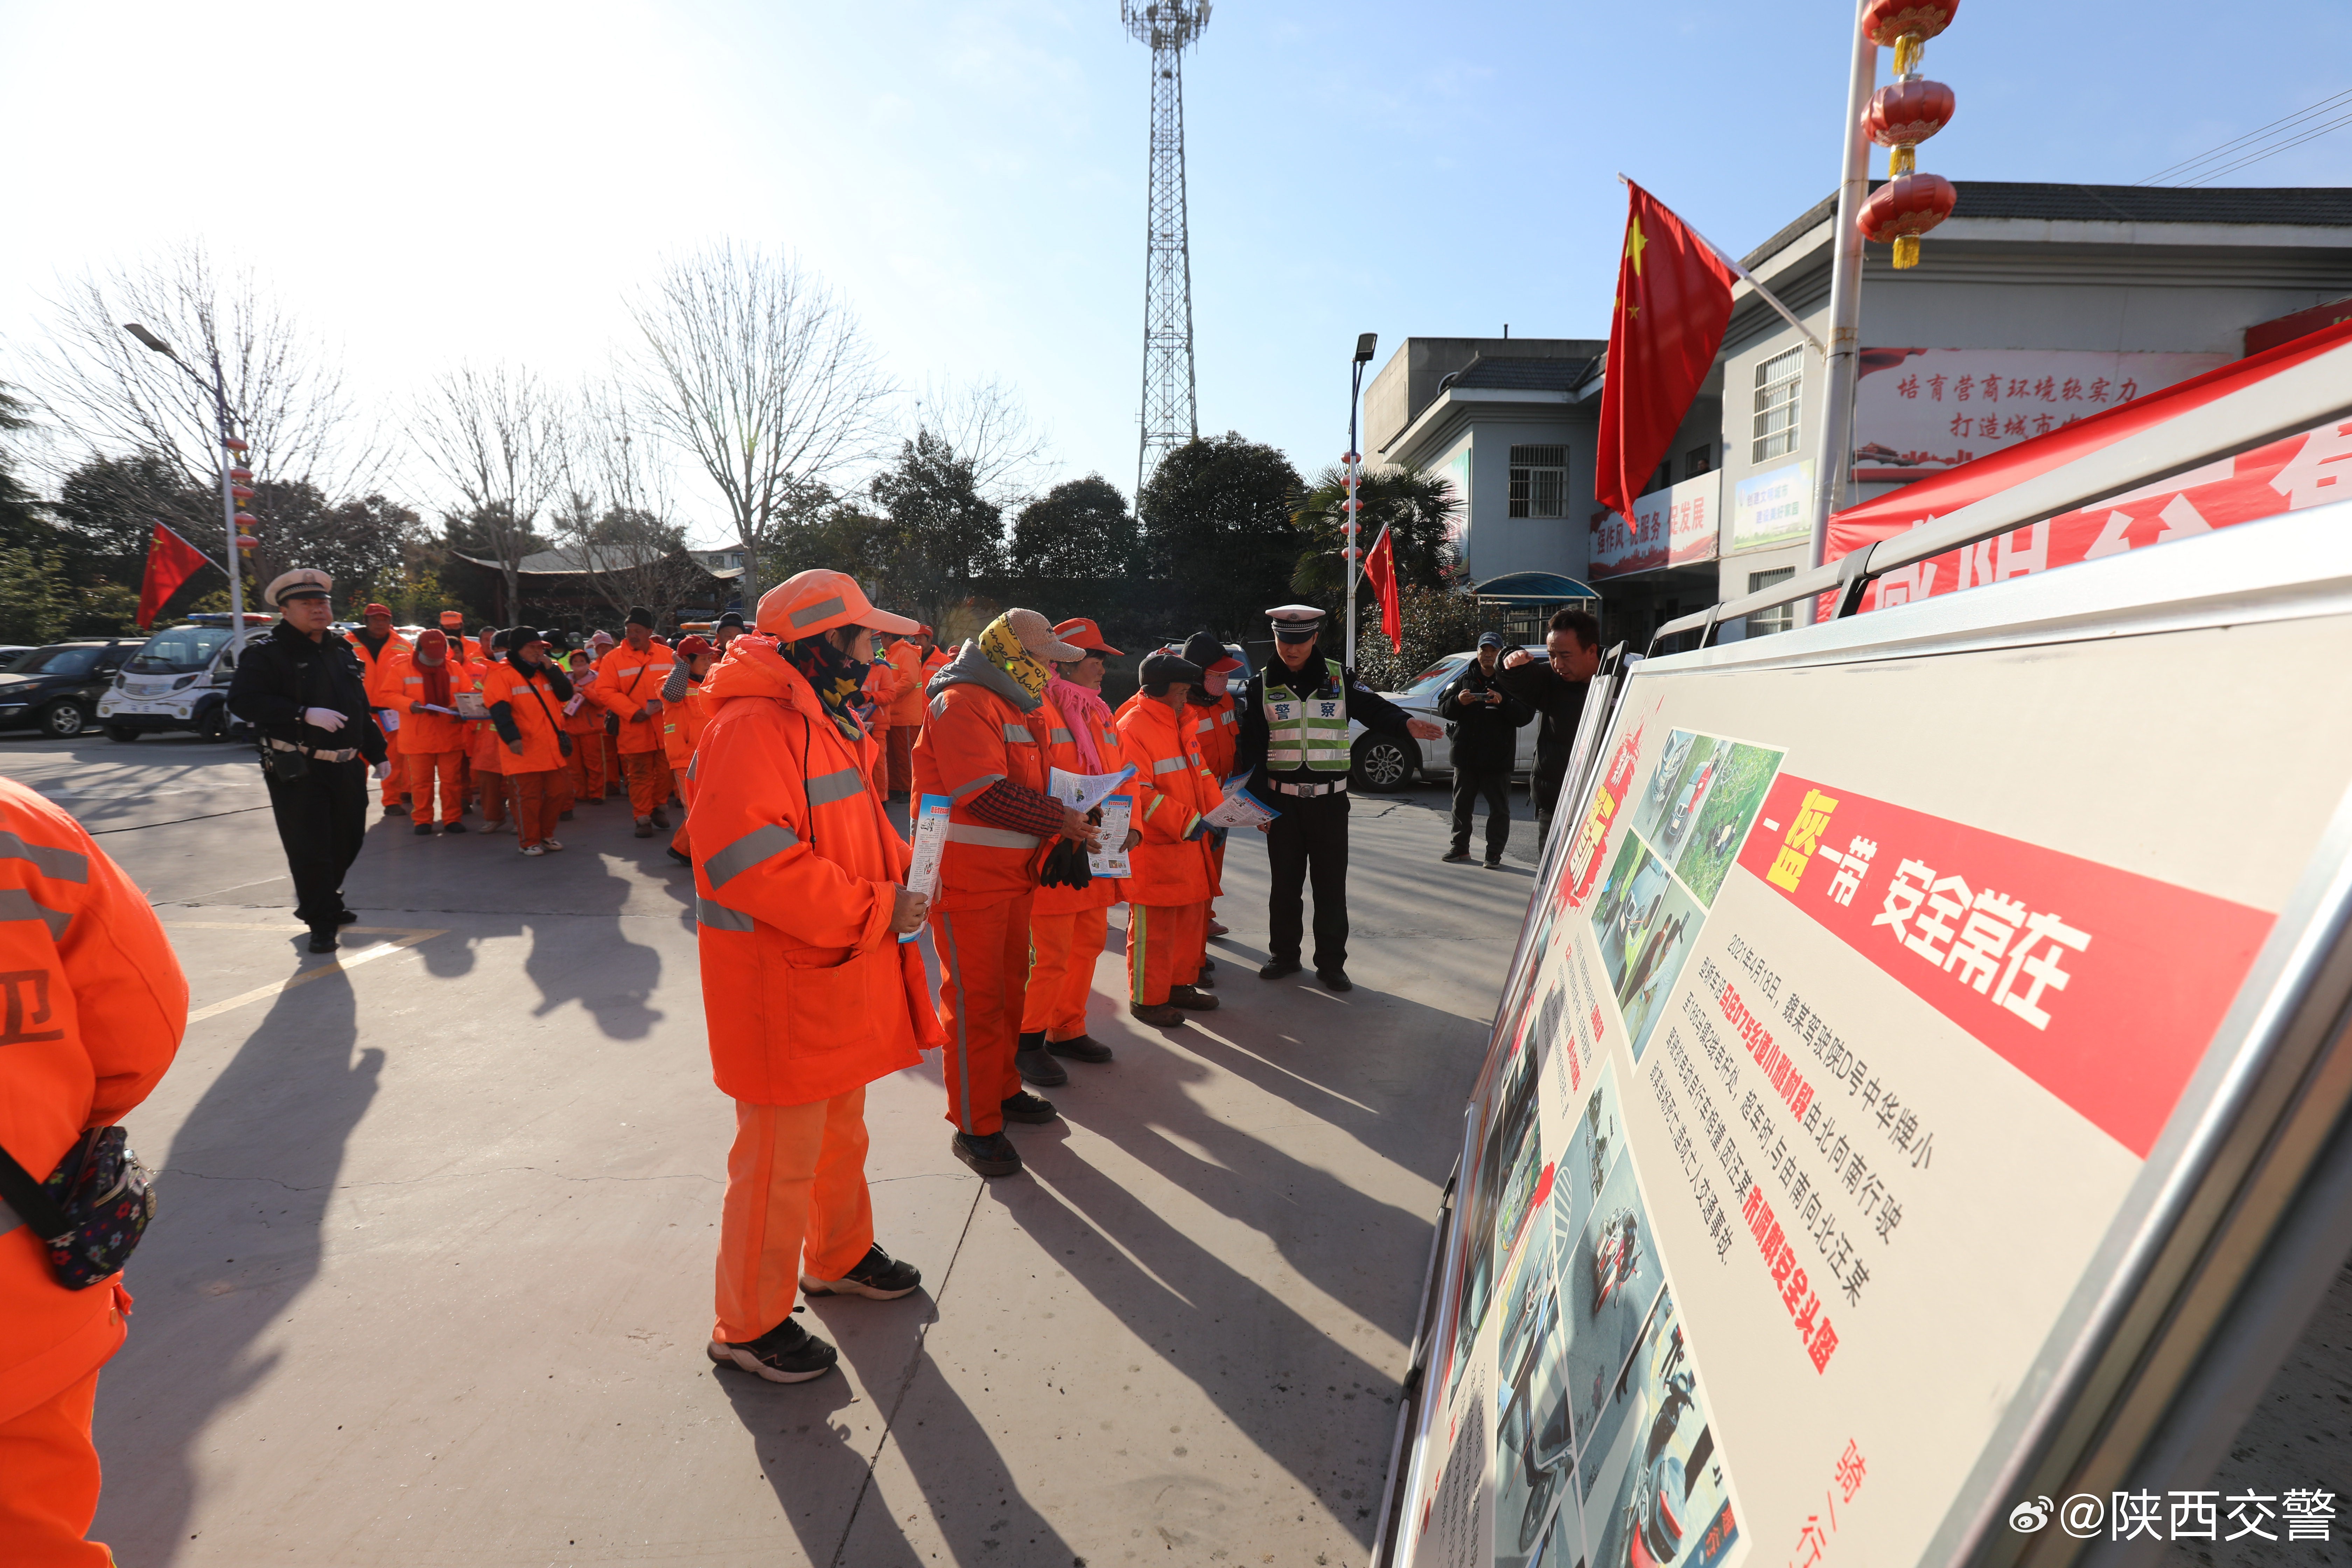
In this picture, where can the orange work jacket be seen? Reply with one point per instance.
(537, 712)
(92, 1005)
(914, 670)
(807, 992)
(683, 722)
(1173, 787)
(430, 733)
(625, 681)
(972, 738)
(587, 718)
(1062, 752)
(382, 671)
(1218, 729)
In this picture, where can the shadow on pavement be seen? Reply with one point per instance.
(243, 1194)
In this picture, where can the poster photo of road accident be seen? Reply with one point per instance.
(1841, 974)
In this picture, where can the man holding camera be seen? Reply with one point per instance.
(1487, 721)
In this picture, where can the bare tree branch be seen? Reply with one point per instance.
(758, 370)
(499, 438)
(989, 429)
(614, 514)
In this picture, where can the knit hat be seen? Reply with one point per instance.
(1164, 668)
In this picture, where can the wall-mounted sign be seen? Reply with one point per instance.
(1773, 507)
(1920, 411)
(1673, 527)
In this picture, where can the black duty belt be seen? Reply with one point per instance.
(1337, 786)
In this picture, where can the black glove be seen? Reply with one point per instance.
(1065, 865)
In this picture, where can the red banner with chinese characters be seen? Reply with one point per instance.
(2072, 970)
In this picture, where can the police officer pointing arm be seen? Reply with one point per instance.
(1294, 746)
(302, 690)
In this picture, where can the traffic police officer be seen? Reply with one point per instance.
(1294, 746)
(301, 689)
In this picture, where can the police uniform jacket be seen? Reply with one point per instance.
(1363, 705)
(280, 674)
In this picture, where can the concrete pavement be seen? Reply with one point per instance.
(432, 1277)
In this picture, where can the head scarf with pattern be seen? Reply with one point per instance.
(1001, 645)
(832, 674)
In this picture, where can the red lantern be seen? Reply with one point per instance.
(1907, 24)
(241, 475)
(1906, 114)
(1903, 209)
(233, 443)
(242, 493)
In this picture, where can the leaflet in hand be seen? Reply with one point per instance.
(435, 708)
(470, 705)
(388, 720)
(930, 845)
(1240, 809)
(1083, 792)
(1118, 817)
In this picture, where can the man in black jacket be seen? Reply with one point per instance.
(1486, 721)
(1556, 689)
(301, 689)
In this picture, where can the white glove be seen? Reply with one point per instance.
(383, 769)
(327, 719)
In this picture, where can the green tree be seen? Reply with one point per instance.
(22, 526)
(1078, 531)
(1418, 508)
(942, 533)
(1217, 530)
(106, 510)
(35, 606)
(1433, 622)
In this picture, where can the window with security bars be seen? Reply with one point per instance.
(1538, 482)
(1780, 618)
(1778, 381)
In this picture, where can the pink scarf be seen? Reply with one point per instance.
(1085, 712)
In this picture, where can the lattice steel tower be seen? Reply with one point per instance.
(1171, 412)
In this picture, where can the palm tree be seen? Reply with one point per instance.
(1416, 506)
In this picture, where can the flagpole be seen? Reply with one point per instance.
(1833, 454)
(1352, 510)
(1747, 278)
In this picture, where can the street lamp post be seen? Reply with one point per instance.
(1351, 506)
(219, 390)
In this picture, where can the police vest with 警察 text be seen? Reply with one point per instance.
(1309, 732)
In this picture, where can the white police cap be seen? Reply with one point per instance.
(1295, 623)
(302, 580)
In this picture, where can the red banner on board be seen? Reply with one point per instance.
(2102, 986)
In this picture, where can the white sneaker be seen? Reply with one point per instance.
(549, 843)
(532, 849)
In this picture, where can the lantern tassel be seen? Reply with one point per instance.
(1906, 251)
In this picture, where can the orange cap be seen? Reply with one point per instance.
(1083, 633)
(377, 610)
(807, 603)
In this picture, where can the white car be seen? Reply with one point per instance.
(1384, 764)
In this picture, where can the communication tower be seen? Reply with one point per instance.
(1170, 414)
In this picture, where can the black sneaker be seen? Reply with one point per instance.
(1496, 864)
(398, 808)
(785, 1353)
(990, 1155)
(346, 918)
(1035, 1063)
(1159, 1015)
(878, 1276)
(454, 827)
(1208, 966)
(1083, 1048)
(323, 938)
(1034, 1109)
(424, 830)
(1455, 857)
(1335, 980)
(681, 858)
(1275, 968)
(1191, 998)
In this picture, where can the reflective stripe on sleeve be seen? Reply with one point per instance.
(826, 788)
(1167, 764)
(1061, 737)
(760, 844)
(16, 904)
(990, 838)
(712, 916)
(958, 796)
(1019, 732)
(58, 865)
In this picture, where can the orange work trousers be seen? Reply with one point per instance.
(494, 795)
(48, 1483)
(587, 765)
(560, 786)
(648, 776)
(677, 841)
(423, 768)
(535, 806)
(395, 783)
(901, 750)
(796, 1200)
(984, 973)
(1165, 944)
(1062, 953)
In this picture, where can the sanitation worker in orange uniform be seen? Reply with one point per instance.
(628, 686)
(1168, 897)
(684, 714)
(808, 995)
(485, 755)
(383, 661)
(982, 748)
(916, 660)
(92, 1005)
(525, 692)
(1068, 925)
(1217, 721)
(433, 737)
(584, 722)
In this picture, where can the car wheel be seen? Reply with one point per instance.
(213, 724)
(64, 720)
(120, 732)
(1384, 764)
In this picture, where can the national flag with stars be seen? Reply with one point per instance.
(1673, 300)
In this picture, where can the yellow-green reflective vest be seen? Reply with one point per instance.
(1308, 732)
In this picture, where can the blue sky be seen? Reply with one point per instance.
(436, 182)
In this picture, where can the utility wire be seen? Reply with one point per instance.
(2314, 135)
(2236, 145)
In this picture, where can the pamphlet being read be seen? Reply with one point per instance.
(1083, 792)
(1240, 809)
(1118, 817)
(929, 844)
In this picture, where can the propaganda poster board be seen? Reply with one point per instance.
(1882, 993)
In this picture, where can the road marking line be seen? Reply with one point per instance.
(404, 939)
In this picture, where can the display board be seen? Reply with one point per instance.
(1861, 1040)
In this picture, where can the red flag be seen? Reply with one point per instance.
(1674, 300)
(1380, 569)
(171, 562)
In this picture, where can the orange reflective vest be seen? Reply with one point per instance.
(914, 670)
(92, 1005)
(426, 733)
(807, 992)
(380, 671)
(1218, 729)
(625, 681)
(1062, 752)
(1173, 787)
(972, 738)
(537, 715)
(683, 722)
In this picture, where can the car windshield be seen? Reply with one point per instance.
(60, 661)
(178, 650)
(1428, 683)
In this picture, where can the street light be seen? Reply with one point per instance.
(229, 446)
(1353, 471)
